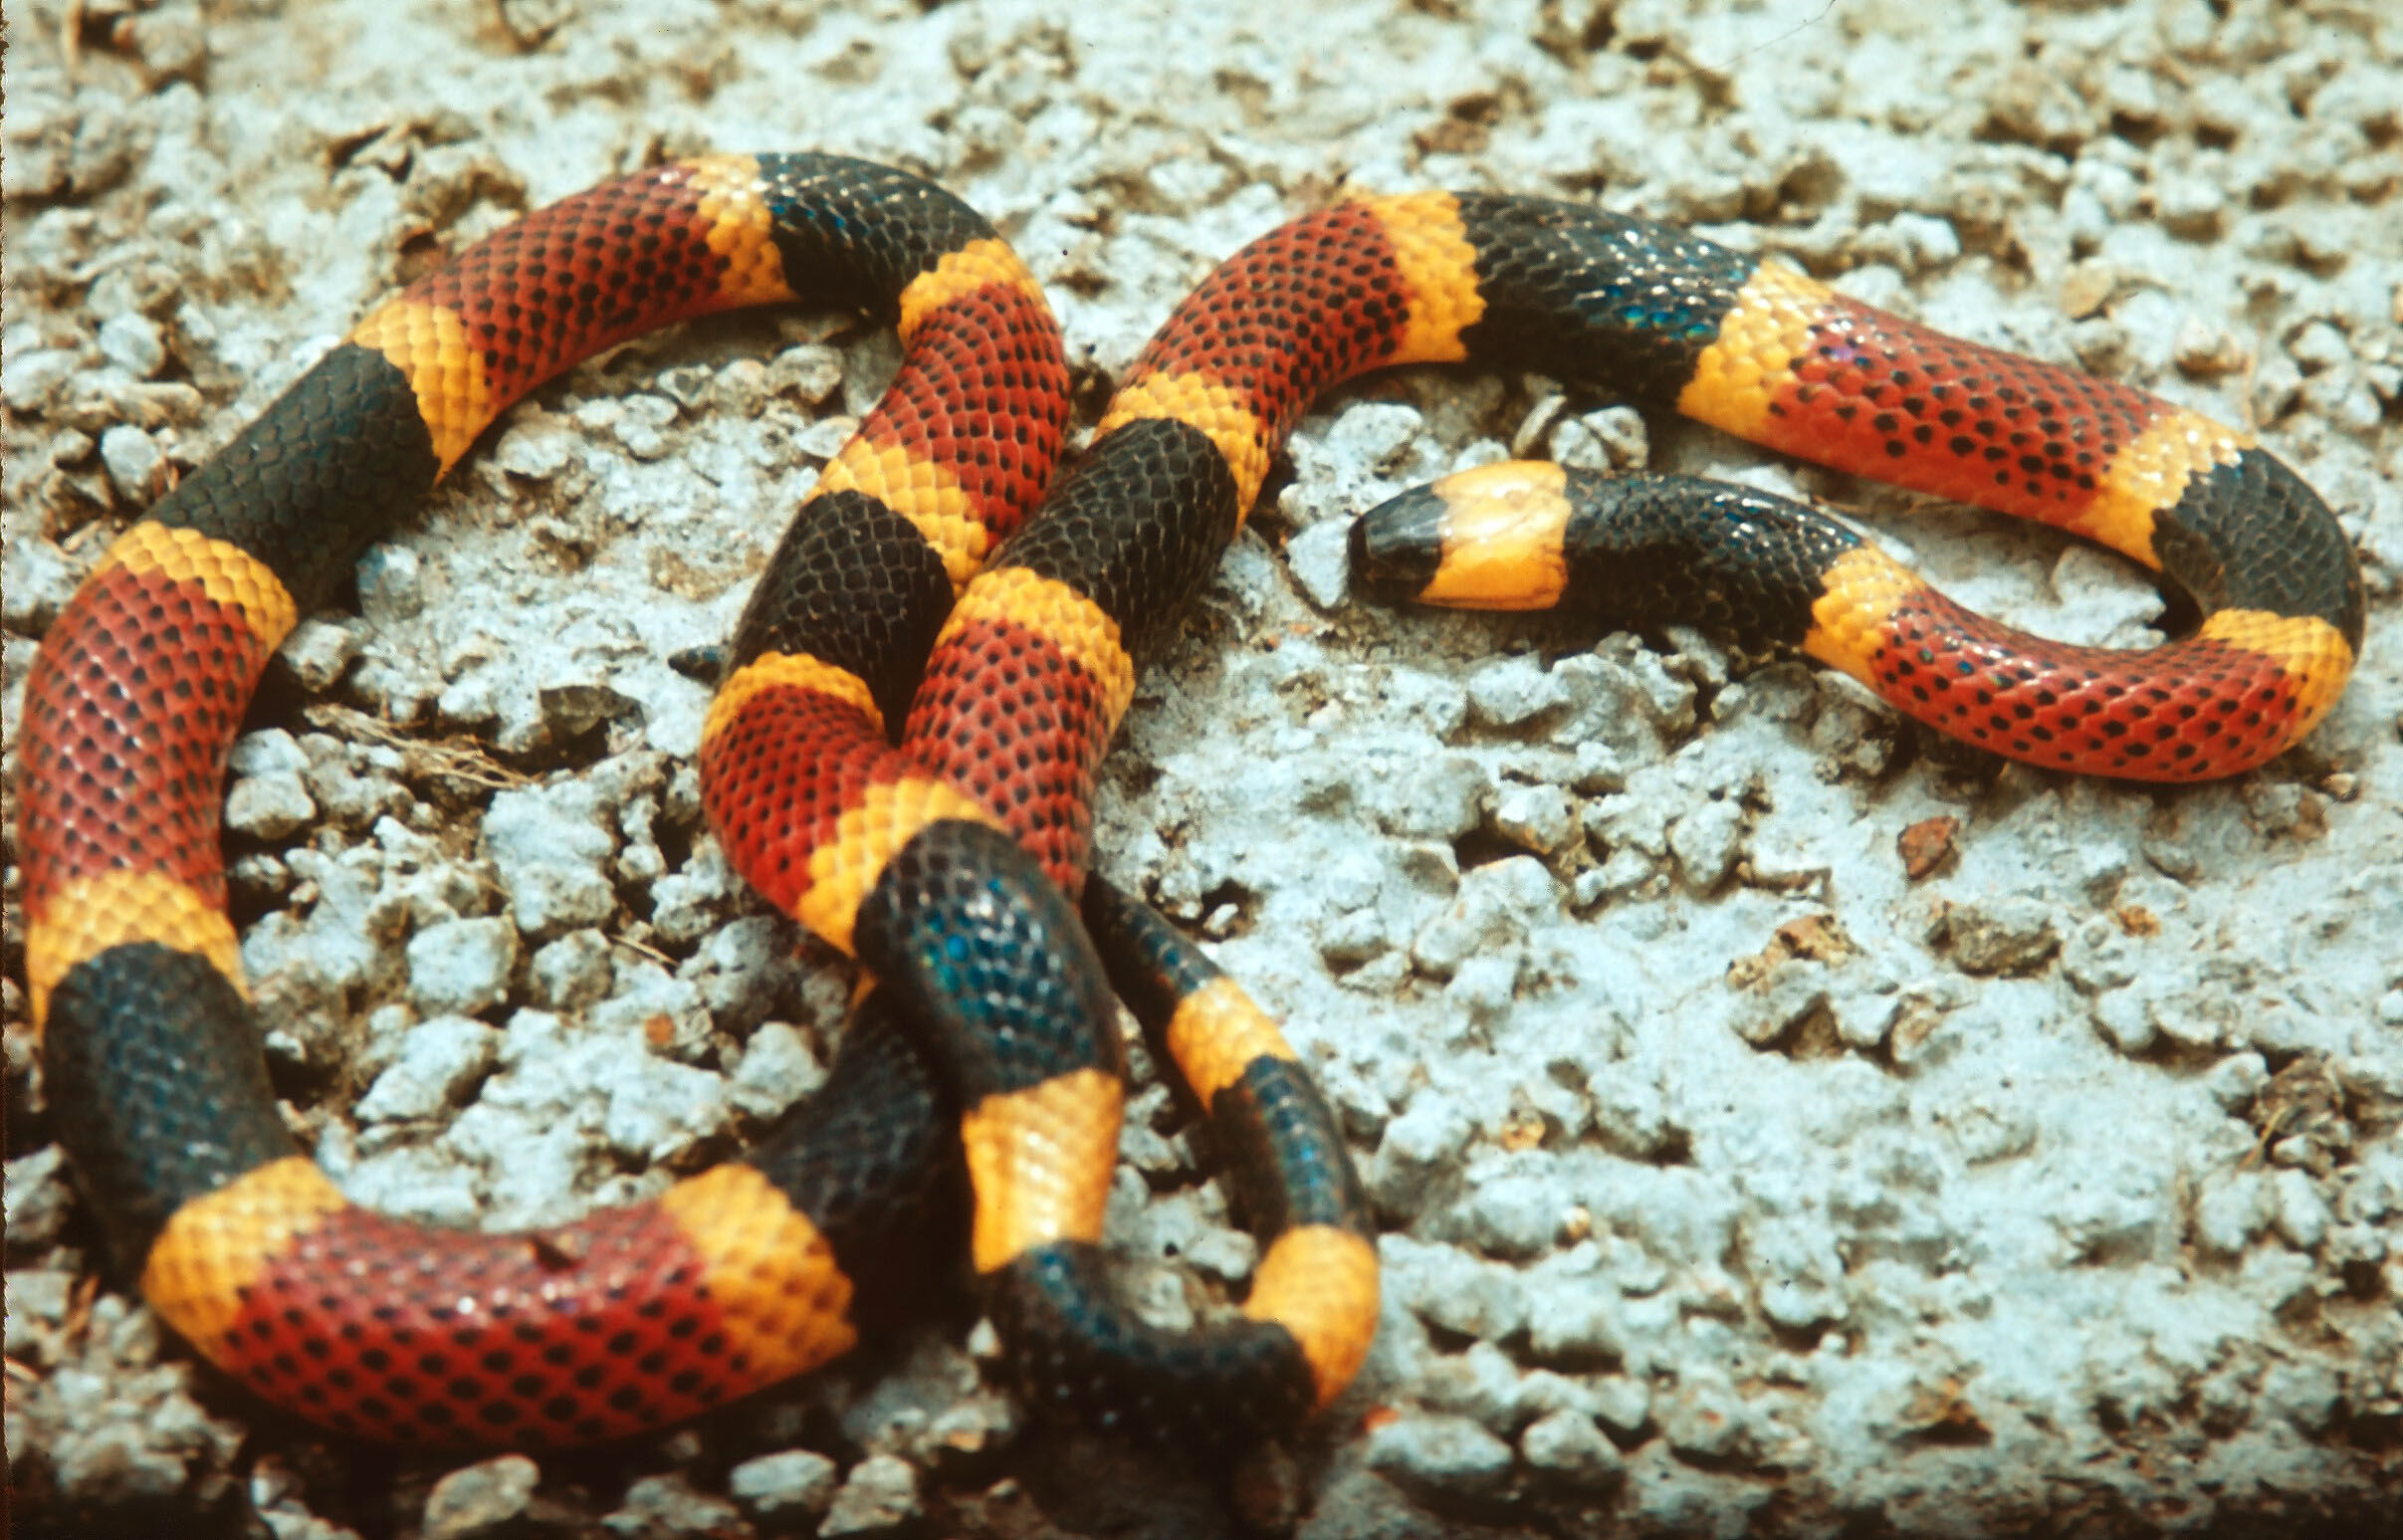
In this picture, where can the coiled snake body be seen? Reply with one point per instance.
(901, 753)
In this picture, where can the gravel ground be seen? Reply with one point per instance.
(1781, 1122)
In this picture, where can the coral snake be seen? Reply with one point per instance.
(902, 753)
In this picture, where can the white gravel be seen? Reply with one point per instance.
(1735, 1181)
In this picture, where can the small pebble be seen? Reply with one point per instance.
(269, 807)
(318, 652)
(1320, 561)
(2304, 1391)
(1514, 1216)
(1538, 819)
(35, 581)
(797, 1482)
(1567, 1444)
(1456, 1292)
(1623, 1404)
(1577, 1323)
(1926, 845)
(570, 971)
(2172, 859)
(37, 1200)
(666, 1507)
(1448, 1454)
(1419, 1148)
(439, 1059)
(810, 371)
(134, 343)
(2230, 1211)
(2125, 1018)
(2008, 935)
(548, 843)
(462, 967)
(1706, 1417)
(777, 1070)
(137, 468)
(391, 583)
(481, 1499)
(2301, 1213)
(1510, 691)
(881, 1494)
(36, 377)
(1705, 843)
(641, 423)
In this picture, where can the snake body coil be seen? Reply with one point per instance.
(903, 753)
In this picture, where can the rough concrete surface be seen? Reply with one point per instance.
(1780, 1122)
